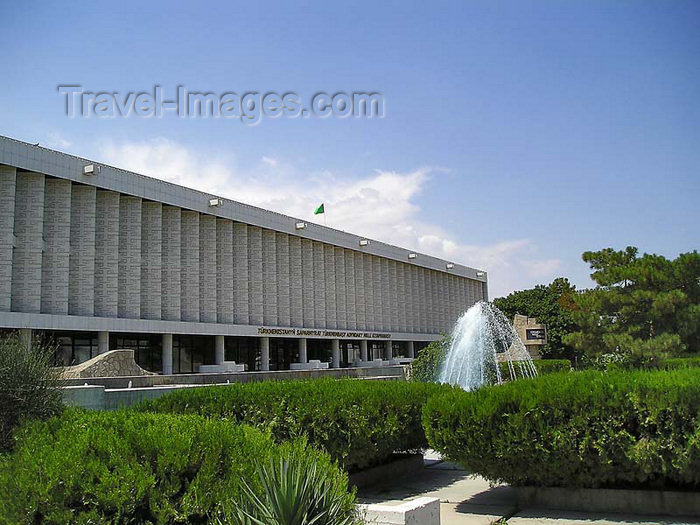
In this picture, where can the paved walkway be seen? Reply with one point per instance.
(470, 500)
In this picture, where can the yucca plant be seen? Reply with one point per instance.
(296, 492)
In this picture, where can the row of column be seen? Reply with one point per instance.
(219, 351)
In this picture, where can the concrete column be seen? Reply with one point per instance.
(219, 349)
(363, 350)
(410, 349)
(388, 350)
(102, 342)
(302, 351)
(25, 337)
(265, 353)
(167, 354)
(335, 353)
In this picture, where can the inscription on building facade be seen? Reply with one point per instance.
(322, 333)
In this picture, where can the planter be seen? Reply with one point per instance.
(388, 471)
(649, 502)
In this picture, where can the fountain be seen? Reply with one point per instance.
(481, 338)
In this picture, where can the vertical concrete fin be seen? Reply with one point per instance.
(283, 284)
(393, 296)
(401, 296)
(29, 243)
(224, 271)
(151, 260)
(307, 268)
(350, 291)
(255, 277)
(56, 259)
(269, 277)
(422, 302)
(81, 297)
(107, 254)
(8, 180)
(360, 306)
(319, 286)
(171, 271)
(379, 283)
(329, 285)
(295, 282)
(189, 280)
(129, 293)
(207, 268)
(341, 298)
(369, 284)
(241, 272)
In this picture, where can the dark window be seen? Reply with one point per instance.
(190, 351)
(71, 348)
(148, 350)
(319, 349)
(243, 350)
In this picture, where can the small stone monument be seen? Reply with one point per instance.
(531, 333)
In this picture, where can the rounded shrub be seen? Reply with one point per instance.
(359, 423)
(635, 429)
(28, 385)
(126, 467)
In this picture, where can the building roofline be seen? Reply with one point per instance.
(55, 163)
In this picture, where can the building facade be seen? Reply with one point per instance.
(97, 258)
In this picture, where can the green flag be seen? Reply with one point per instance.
(319, 210)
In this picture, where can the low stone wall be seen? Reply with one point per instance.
(114, 363)
(109, 393)
(140, 381)
(649, 502)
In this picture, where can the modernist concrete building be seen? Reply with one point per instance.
(98, 258)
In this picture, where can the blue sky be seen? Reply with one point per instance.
(517, 134)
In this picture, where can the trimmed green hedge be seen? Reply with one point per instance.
(359, 423)
(126, 467)
(583, 429)
(543, 366)
(680, 362)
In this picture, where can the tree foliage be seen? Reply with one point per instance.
(28, 385)
(426, 366)
(643, 308)
(552, 305)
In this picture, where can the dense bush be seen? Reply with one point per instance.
(28, 385)
(543, 366)
(359, 423)
(426, 366)
(126, 467)
(583, 429)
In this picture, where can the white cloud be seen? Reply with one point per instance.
(270, 161)
(382, 205)
(56, 140)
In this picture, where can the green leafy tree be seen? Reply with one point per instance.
(643, 308)
(552, 305)
(426, 366)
